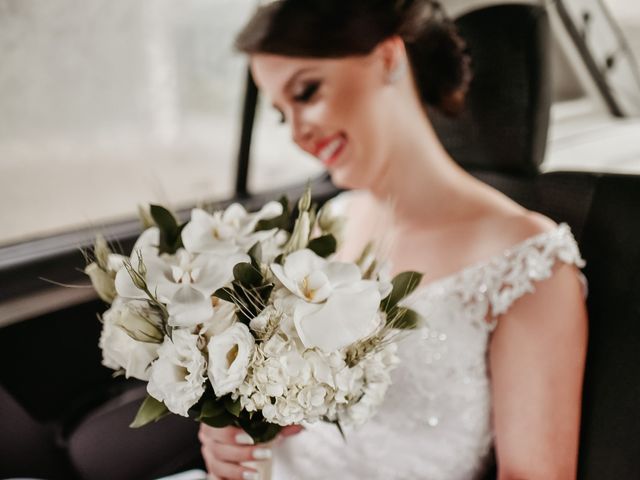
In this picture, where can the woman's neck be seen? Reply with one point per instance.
(421, 181)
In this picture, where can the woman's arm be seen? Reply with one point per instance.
(537, 356)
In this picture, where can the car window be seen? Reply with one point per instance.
(105, 105)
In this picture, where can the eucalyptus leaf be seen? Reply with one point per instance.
(151, 410)
(403, 284)
(323, 246)
(247, 275)
(225, 293)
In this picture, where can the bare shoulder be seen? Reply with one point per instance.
(508, 230)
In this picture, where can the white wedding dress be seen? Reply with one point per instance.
(435, 422)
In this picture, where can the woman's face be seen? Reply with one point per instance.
(337, 110)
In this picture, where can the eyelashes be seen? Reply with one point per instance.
(307, 92)
(306, 95)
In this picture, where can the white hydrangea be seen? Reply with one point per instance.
(290, 384)
(375, 380)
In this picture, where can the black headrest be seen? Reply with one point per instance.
(504, 125)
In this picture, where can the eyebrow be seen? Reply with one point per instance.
(290, 82)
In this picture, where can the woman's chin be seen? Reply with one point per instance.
(343, 177)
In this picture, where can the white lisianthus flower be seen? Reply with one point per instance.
(224, 315)
(121, 323)
(178, 375)
(230, 354)
(227, 231)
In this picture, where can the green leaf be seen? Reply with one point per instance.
(403, 284)
(258, 428)
(232, 406)
(405, 319)
(220, 421)
(169, 230)
(151, 410)
(247, 275)
(211, 408)
(164, 219)
(324, 245)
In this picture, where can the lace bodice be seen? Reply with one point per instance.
(435, 421)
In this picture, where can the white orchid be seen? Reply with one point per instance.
(313, 278)
(227, 231)
(178, 375)
(230, 353)
(347, 316)
(339, 307)
(185, 282)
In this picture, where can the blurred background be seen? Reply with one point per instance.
(105, 105)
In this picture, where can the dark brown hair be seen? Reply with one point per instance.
(341, 28)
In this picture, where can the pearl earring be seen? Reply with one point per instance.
(397, 73)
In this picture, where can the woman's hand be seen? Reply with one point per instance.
(224, 449)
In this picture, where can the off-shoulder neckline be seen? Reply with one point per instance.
(560, 229)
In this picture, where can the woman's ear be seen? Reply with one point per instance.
(392, 54)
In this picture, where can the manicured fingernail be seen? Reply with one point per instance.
(244, 439)
(250, 476)
(261, 453)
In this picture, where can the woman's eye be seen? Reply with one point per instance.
(307, 93)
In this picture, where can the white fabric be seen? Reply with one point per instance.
(435, 421)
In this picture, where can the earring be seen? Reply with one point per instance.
(397, 73)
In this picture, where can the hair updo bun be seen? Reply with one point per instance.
(341, 28)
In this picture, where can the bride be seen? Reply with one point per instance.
(501, 361)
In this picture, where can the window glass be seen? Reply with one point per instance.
(105, 105)
(627, 15)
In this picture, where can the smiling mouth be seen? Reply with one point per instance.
(330, 153)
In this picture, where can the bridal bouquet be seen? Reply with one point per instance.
(237, 318)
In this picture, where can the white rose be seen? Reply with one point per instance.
(178, 375)
(229, 356)
(119, 348)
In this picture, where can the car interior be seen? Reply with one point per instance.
(57, 425)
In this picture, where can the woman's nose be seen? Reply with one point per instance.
(301, 132)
